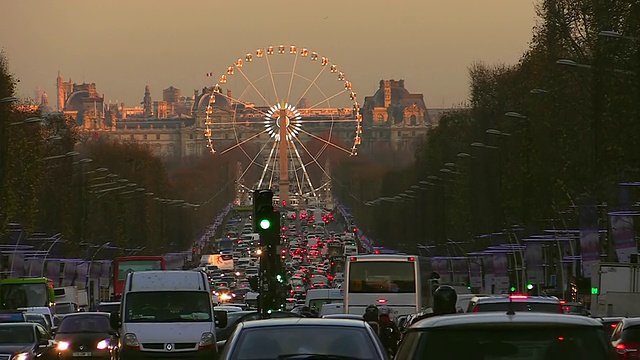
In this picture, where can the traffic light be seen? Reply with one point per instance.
(262, 210)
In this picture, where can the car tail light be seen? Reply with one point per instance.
(613, 326)
(382, 301)
(518, 297)
(411, 258)
(476, 309)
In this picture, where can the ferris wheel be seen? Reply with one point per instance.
(286, 109)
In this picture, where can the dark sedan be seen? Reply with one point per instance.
(86, 335)
(303, 338)
(25, 341)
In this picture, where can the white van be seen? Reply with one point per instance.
(318, 297)
(167, 314)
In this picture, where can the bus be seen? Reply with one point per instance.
(18, 293)
(124, 265)
(225, 245)
(391, 280)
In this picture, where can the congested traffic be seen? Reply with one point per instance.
(342, 300)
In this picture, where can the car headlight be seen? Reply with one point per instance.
(102, 344)
(131, 340)
(63, 345)
(225, 296)
(206, 339)
(21, 356)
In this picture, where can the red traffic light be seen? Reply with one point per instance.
(355, 229)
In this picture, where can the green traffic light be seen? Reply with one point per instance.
(529, 286)
(265, 224)
(279, 278)
(513, 288)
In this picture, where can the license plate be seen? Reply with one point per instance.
(82, 354)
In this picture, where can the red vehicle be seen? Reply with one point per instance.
(124, 265)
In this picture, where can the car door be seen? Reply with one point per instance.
(45, 346)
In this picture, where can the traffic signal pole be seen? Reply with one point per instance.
(267, 224)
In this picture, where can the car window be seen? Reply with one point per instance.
(16, 335)
(88, 323)
(42, 333)
(271, 342)
(631, 334)
(513, 342)
(407, 345)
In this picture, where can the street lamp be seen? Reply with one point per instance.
(538, 91)
(514, 114)
(8, 99)
(68, 154)
(44, 262)
(30, 120)
(86, 284)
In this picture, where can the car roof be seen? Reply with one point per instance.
(506, 298)
(287, 321)
(497, 318)
(627, 322)
(92, 313)
(109, 303)
(18, 324)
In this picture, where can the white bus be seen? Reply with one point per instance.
(391, 280)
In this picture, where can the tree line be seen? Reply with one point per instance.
(123, 195)
(539, 138)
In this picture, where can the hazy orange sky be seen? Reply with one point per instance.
(122, 45)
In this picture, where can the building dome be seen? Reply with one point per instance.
(221, 102)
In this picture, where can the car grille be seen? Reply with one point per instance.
(5, 356)
(161, 346)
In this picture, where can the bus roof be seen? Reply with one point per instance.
(383, 257)
(33, 280)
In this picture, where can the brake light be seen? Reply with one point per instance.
(613, 326)
(563, 302)
(621, 347)
(353, 258)
(382, 301)
(560, 338)
(476, 309)
(411, 258)
(518, 297)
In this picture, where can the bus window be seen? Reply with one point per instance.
(382, 277)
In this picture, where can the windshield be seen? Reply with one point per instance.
(85, 324)
(38, 319)
(270, 342)
(226, 244)
(16, 334)
(382, 277)
(125, 267)
(16, 296)
(168, 306)
(316, 304)
(108, 308)
(519, 307)
(528, 342)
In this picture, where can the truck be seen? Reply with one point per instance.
(615, 290)
(222, 261)
(26, 292)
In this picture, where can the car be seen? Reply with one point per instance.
(38, 319)
(86, 334)
(108, 307)
(303, 338)
(625, 339)
(610, 324)
(517, 303)
(26, 341)
(506, 335)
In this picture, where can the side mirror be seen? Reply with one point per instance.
(220, 317)
(220, 344)
(114, 319)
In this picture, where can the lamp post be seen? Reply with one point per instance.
(8, 99)
(46, 255)
(86, 284)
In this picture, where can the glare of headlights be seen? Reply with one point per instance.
(63, 345)
(225, 297)
(102, 344)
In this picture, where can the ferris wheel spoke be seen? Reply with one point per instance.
(246, 104)
(239, 144)
(314, 159)
(266, 102)
(253, 161)
(305, 174)
(293, 72)
(329, 98)
(311, 84)
(295, 171)
(273, 82)
(266, 167)
(324, 141)
(328, 121)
